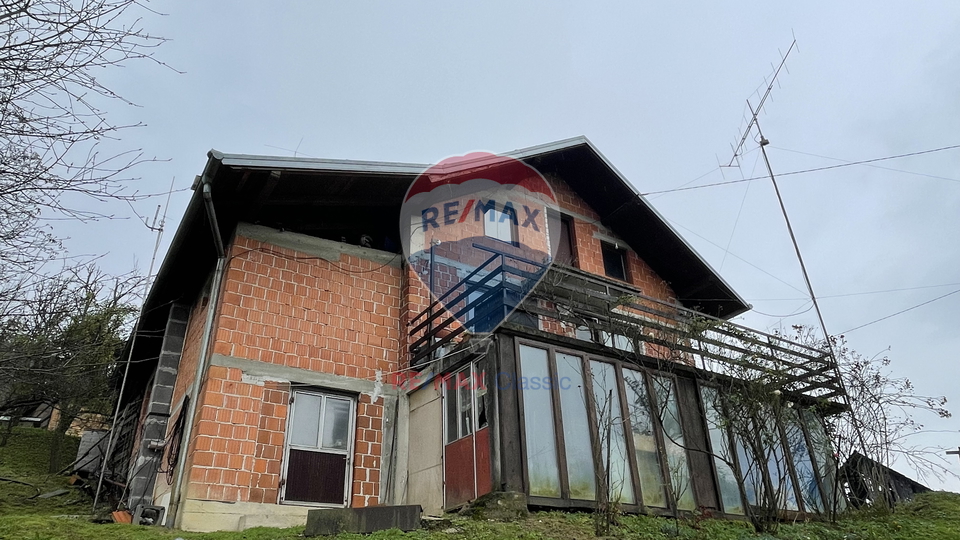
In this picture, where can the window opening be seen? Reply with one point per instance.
(826, 467)
(802, 464)
(565, 251)
(614, 264)
(480, 396)
(778, 466)
(500, 225)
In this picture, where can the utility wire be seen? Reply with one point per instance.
(799, 311)
(804, 171)
(901, 311)
(715, 169)
(868, 165)
(822, 296)
(735, 256)
(711, 171)
(736, 222)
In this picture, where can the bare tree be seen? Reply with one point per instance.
(881, 421)
(53, 54)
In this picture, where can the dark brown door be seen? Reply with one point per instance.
(319, 445)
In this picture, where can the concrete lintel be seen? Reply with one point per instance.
(319, 247)
(305, 376)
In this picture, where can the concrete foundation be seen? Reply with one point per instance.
(208, 516)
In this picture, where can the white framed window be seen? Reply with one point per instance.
(318, 456)
(464, 405)
(499, 225)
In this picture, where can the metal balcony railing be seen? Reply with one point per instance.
(480, 301)
(616, 310)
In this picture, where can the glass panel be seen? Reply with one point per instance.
(542, 468)
(450, 408)
(464, 402)
(583, 333)
(752, 475)
(305, 427)
(644, 440)
(623, 343)
(722, 459)
(777, 466)
(610, 420)
(677, 466)
(480, 389)
(336, 423)
(576, 428)
(613, 262)
(802, 464)
(823, 455)
(498, 225)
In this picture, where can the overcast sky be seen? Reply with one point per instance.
(661, 91)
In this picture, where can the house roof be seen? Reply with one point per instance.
(342, 199)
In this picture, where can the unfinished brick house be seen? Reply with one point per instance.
(289, 359)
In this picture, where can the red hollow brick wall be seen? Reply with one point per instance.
(283, 307)
(187, 369)
(288, 308)
(587, 249)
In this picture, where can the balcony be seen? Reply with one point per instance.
(622, 317)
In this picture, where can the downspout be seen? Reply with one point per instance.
(176, 494)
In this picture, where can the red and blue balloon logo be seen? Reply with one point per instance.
(479, 231)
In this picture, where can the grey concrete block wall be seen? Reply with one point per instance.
(144, 471)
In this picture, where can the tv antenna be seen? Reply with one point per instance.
(738, 149)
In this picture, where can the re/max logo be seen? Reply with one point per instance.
(507, 211)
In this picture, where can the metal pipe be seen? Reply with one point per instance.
(212, 215)
(173, 516)
(433, 245)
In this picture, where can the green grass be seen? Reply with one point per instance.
(26, 457)
(932, 516)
